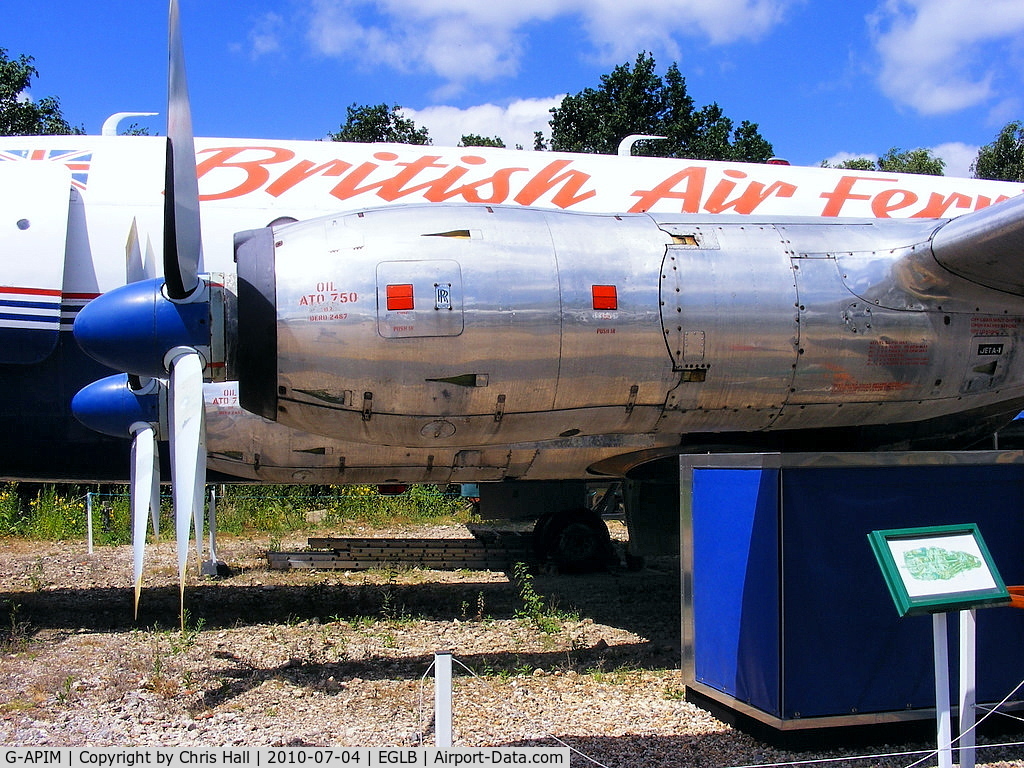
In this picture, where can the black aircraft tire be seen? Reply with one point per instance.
(540, 537)
(575, 540)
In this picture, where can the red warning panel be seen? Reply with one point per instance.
(399, 297)
(605, 297)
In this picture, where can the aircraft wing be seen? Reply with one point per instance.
(986, 247)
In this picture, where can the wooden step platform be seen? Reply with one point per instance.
(489, 550)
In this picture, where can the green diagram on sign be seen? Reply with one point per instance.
(938, 564)
(935, 569)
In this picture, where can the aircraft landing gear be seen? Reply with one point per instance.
(574, 541)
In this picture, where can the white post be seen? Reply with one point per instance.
(88, 519)
(212, 514)
(968, 687)
(945, 748)
(443, 699)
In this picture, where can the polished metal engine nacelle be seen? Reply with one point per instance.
(483, 325)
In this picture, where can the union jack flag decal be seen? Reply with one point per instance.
(77, 161)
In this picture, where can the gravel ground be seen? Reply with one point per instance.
(273, 658)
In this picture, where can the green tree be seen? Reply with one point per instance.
(20, 115)
(853, 164)
(896, 160)
(1003, 159)
(476, 140)
(134, 129)
(919, 160)
(379, 123)
(635, 100)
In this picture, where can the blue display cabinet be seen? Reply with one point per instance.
(786, 615)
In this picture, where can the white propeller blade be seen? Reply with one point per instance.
(188, 448)
(145, 469)
(182, 239)
(135, 270)
(138, 266)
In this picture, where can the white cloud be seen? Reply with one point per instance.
(514, 124)
(465, 40)
(620, 29)
(940, 56)
(958, 157)
(264, 36)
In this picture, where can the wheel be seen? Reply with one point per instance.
(575, 540)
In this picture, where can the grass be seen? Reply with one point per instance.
(59, 512)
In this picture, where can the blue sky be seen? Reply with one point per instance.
(823, 79)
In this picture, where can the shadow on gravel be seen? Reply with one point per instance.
(239, 677)
(646, 603)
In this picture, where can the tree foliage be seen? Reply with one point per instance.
(476, 140)
(896, 160)
(919, 160)
(636, 100)
(1003, 159)
(854, 164)
(20, 115)
(379, 123)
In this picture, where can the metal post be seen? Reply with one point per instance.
(213, 525)
(213, 566)
(88, 519)
(443, 699)
(941, 643)
(968, 687)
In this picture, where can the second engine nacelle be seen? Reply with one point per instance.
(483, 325)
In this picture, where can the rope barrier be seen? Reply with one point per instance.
(924, 754)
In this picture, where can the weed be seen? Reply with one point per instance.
(536, 609)
(58, 512)
(674, 692)
(14, 635)
(16, 705)
(186, 637)
(65, 690)
(619, 676)
(10, 510)
(36, 576)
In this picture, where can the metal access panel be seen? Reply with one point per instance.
(791, 620)
(416, 299)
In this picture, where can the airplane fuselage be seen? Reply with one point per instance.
(697, 298)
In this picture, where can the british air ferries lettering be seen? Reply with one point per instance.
(276, 170)
(231, 172)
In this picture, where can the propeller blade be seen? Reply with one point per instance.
(188, 447)
(144, 468)
(149, 262)
(135, 270)
(138, 266)
(182, 238)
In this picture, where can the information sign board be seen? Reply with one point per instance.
(938, 568)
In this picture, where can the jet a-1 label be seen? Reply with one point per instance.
(990, 349)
